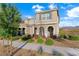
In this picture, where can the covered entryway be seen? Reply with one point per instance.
(41, 31)
(50, 29)
(35, 31)
(21, 31)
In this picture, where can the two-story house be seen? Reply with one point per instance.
(44, 23)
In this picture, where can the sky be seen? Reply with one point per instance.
(68, 12)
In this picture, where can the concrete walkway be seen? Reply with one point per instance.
(54, 50)
(16, 43)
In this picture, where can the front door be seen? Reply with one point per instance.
(50, 29)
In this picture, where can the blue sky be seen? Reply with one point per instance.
(68, 12)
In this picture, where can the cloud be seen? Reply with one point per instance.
(74, 12)
(37, 7)
(38, 10)
(63, 7)
(66, 18)
(70, 5)
(71, 14)
(65, 23)
(71, 17)
(28, 16)
(52, 6)
(69, 22)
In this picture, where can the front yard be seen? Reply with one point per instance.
(35, 43)
(71, 42)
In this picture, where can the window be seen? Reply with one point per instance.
(45, 16)
(48, 16)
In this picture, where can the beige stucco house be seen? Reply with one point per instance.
(44, 23)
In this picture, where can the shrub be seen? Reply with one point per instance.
(24, 38)
(61, 36)
(64, 36)
(54, 37)
(29, 36)
(40, 40)
(49, 42)
(30, 40)
(74, 37)
(16, 37)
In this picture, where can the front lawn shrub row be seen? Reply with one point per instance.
(64, 36)
(70, 37)
(74, 37)
(40, 40)
(49, 42)
(24, 38)
(30, 40)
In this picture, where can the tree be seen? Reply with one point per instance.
(9, 20)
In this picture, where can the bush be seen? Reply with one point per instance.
(49, 42)
(30, 40)
(24, 38)
(29, 36)
(64, 36)
(16, 37)
(74, 37)
(54, 37)
(40, 40)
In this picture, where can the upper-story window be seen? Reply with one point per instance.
(38, 16)
(45, 16)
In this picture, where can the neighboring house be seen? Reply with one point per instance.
(44, 23)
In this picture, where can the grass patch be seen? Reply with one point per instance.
(49, 42)
(40, 40)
